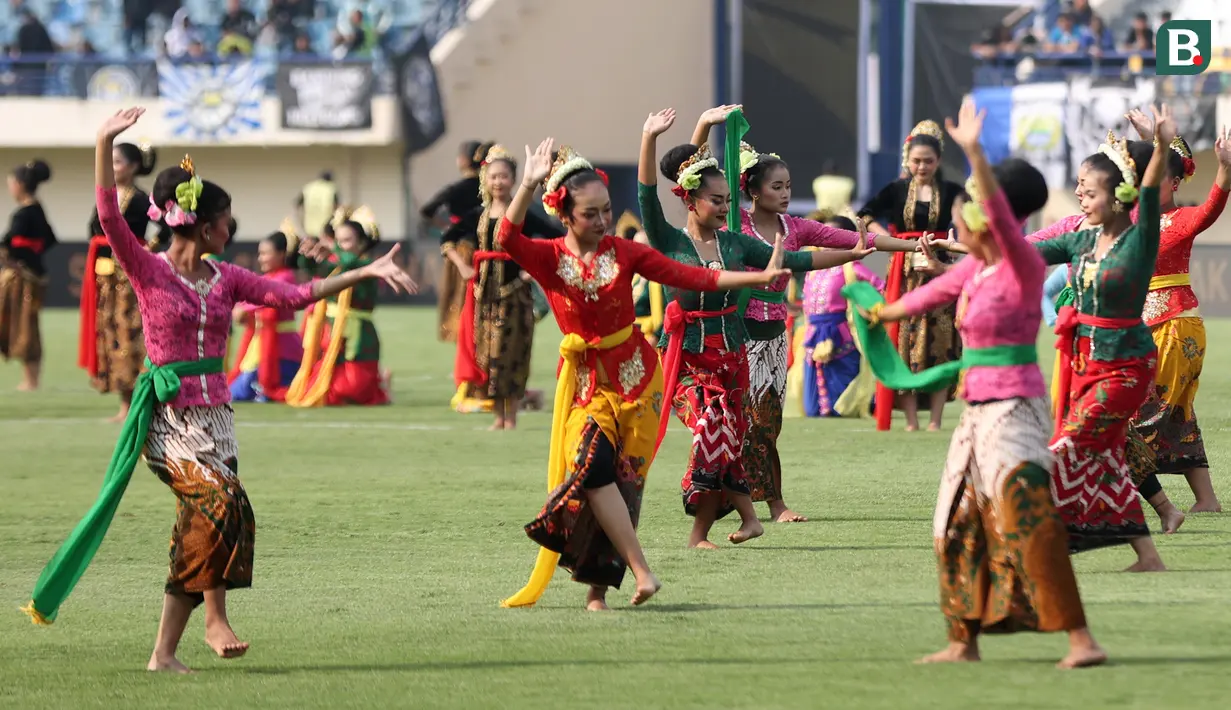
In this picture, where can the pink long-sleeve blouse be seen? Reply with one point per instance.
(1001, 305)
(822, 291)
(185, 320)
(1064, 226)
(797, 233)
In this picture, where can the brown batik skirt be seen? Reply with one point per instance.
(503, 338)
(121, 345)
(1001, 546)
(452, 295)
(21, 299)
(193, 450)
(930, 339)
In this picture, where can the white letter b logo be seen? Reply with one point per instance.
(1182, 48)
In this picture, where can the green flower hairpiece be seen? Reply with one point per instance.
(690, 181)
(188, 193)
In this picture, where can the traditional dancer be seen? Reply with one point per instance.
(180, 416)
(831, 359)
(348, 372)
(1001, 546)
(1109, 355)
(765, 181)
(496, 333)
(111, 347)
(916, 205)
(705, 338)
(458, 199)
(23, 277)
(1167, 421)
(270, 349)
(609, 391)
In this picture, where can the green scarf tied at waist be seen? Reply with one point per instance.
(746, 295)
(888, 367)
(1066, 297)
(159, 383)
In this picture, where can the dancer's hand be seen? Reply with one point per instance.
(538, 164)
(1222, 147)
(969, 126)
(120, 122)
(718, 114)
(773, 270)
(658, 123)
(386, 269)
(467, 272)
(1164, 125)
(1143, 124)
(861, 249)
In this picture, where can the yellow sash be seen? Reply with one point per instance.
(572, 349)
(305, 391)
(252, 357)
(1170, 281)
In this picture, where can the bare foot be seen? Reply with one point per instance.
(225, 643)
(498, 426)
(912, 427)
(703, 545)
(646, 588)
(119, 417)
(746, 532)
(1200, 507)
(1172, 518)
(1154, 564)
(779, 513)
(954, 653)
(26, 387)
(933, 427)
(169, 664)
(596, 599)
(1083, 658)
(510, 425)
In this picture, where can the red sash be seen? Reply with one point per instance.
(34, 245)
(675, 319)
(87, 332)
(465, 364)
(269, 369)
(1067, 320)
(893, 291)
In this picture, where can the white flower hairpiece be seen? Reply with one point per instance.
(1126, 191)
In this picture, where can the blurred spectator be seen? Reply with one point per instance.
(1097, 38)
(996, 41)
(281, 17)
(136, 18)
(32, 40)
(238, 30)
(832, 190)
(303, 45)
(1164, 17)
(181, 35)
(1140, 37)
(1064, 37)
(1081, 13)
(196, 51)
(355, 39)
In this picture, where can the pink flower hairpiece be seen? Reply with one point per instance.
(172, 214)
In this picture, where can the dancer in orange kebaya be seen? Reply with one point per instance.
(609, 390)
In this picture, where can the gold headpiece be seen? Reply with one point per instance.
(1117, 151)
(627, 221)
(364, 216)
(689, 175)
(186, 164)
(923, 128)
(496, 152)
(567, 162)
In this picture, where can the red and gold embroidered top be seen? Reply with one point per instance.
(596, 300)
(1179, 229)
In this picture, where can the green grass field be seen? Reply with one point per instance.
(386, 537)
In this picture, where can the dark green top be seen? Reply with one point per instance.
(735, 252)
(363, 298)
(1121, 280)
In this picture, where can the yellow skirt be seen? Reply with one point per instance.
(1167, 421)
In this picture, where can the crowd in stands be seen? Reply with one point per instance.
(202, 29)
(1076, 31)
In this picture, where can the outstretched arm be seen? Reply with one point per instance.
(250, 288)
(662, 269)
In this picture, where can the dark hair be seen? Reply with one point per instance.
(468, 150)
(1142, 16)
(574, 182)
(677, 156)
(842, 222)
(210, 205)
(478, 153)
(1141, 152)
(32, 174)
(143, 159)
(927, 141)
(756, 174)
(1024, 186)
(366, 241)
(1175, 161)
(327, 175)
(278, 241)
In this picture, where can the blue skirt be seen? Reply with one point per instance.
(245, 388)
(825, 382)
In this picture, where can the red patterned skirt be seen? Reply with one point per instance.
(709, 400)
(1092, 483)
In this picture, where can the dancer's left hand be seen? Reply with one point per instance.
(969, 125)
(1164, 125)
(386, 269)
(1222, 147)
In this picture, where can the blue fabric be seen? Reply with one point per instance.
(1052, 288)
(245, 388)
(998, 124)
(834, 376)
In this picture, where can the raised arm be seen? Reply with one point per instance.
(128, 248)
(1148, 201)
(709, 119)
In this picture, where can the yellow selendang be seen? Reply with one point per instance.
(306, 391)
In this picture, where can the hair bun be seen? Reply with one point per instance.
(40, 171)
(149, 159)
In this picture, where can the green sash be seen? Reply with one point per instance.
(159, 383)
(746, 295)
(1066, 297)
(888, 367)
(736, 129)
